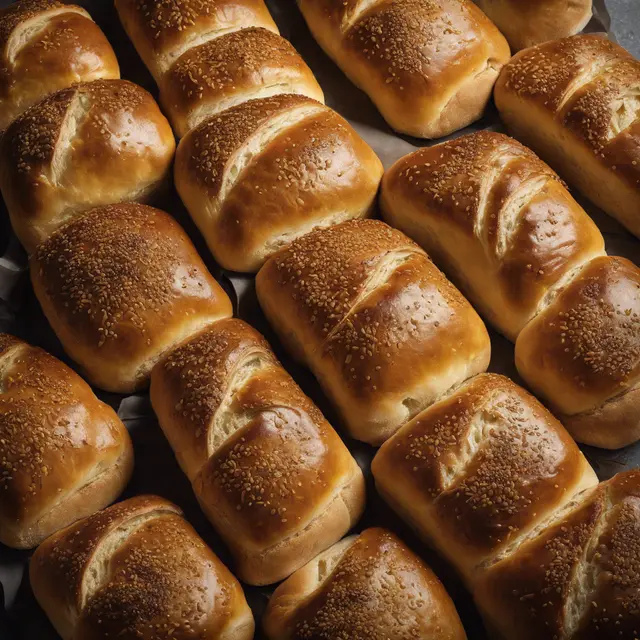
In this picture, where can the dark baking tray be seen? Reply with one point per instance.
(156, 469)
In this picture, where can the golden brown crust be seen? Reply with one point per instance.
(578, 577)
(89, 145)
(529, 23)
(377, 589)
(429, 66)
(615, 603)
(137, 570)
(64, 453)
(120, 286)
(45, 46)
(162, 30)
(496, 217)
(479, 469)
(380, 327)
(231, 69)
(582, 116)
(584, 349)
(265, 465)
(267, 171)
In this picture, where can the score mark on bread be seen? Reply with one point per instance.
(267, 171)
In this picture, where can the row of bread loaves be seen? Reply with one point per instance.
(504, 227)
(262, 160)
(494, 482)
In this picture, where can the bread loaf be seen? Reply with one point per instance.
(575, 102)
(366, 587)
(235, 67)
(510, 235)
(162, 30)
(494, 482)
(576, 576)
(46, 45)
(429, 66)
(64, 453)
(267, 171)
(582, 353)
(496, 218)
(89, 145)
(137, 571)
(528, 23)
(379, 326)
(121, 286)
(209, 56)
(478, 470)
(269, 471)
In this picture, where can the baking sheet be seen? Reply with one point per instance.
(156, 469)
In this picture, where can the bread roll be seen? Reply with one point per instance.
(577, 576)
(528, 23)
(137, 571)
(121, 286)
(235, 67)
(162, 30)
(367, 587)
(64, 453)
(269, 471)
(46, 45)
(478, 470)
(575, 102)
(582, 354)
(90, 145)
(267, 171)
(379, 326)
(496, 218)
(428, 65)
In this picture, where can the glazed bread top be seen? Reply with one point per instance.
(121, 285)
(366, 587)
(480, 469)
(162, 30)
(56, 439)
(258, 451)
(229, 70)
(267, 171)
(576, 577)
(588, 85)
(93, 144)
(526, 24)
(497, 218)
(46, 45)
(428, 65)
(137, 570)
(584, 349)
(381, 328)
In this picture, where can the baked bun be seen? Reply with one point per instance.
(122, 285)
(89, 145)
(575, 577)
(479, 469)
(496, 218)
(582, 354)
(528, 23)
(64, 453)
(267, 171)
(162, 30)
(231, 69)
(428, 65)
(137, 571)
(367, 587)
(269, 471)
(575, 102)
(380, 327)
(46, 45)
